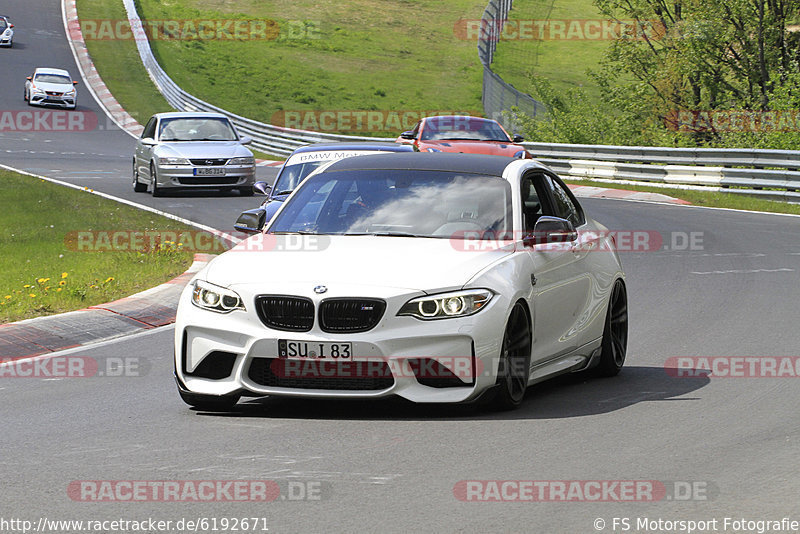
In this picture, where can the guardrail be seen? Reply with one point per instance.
(729, 170)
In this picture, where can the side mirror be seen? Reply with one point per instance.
(262, 187)
(251, 221)
(149, 141)
(29, 78)
(74, 82)
(10, 25)
(549, 230)
(517, 138)
(407, 135)
(245, 140)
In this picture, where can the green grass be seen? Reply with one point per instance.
(563, 62)
(119, 65)
(359, 55)
(37, 248)
(704, 198)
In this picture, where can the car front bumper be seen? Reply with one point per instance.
(442, 361)
(184, 176)
(68, 102)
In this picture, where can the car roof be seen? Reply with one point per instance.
(457, 117)
(49, 70)
(347, 145)
(189, 114)
(428, 161)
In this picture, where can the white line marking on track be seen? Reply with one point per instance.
(745, 271)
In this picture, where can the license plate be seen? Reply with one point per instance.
(209, 172)
(308, 350)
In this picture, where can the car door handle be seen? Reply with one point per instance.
(533, 279)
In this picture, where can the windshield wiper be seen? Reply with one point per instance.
(285, 192)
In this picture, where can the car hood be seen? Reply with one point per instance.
(494, 148)
(203, 149)
(418, 264)
(57, 87)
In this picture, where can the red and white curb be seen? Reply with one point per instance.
(587, 191)
(268, 163)
(94, 83)
(146, 310)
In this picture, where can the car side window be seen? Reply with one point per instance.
(565, 207)
(531, 195)
(150, 129)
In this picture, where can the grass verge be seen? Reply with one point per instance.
(384, 55)
(44, 273)
(119, 65)
(704, 198)
(562, 57)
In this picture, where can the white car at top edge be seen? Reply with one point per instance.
(430, 276)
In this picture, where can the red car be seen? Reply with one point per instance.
(459, 133)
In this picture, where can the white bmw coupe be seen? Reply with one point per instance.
(430, 276)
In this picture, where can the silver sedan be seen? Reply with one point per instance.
(183, 150)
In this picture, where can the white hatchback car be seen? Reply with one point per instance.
(51, 87)
(431, 276)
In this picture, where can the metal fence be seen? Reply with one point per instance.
(499, 96)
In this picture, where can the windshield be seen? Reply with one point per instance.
(292, 175)
(53, 78)
(398, 202)
(196, 129)
(463, 128)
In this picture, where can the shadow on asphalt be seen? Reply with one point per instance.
(565, 396)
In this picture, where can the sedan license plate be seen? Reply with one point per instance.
(306, 350)
(209, 172)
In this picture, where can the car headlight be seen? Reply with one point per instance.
(242, 161)
(433, 150)
(71, 92)
(37, 91)
(446, 305)
(215, 298)
(173, 161)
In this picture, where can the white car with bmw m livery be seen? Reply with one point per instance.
(187, 150)
(441, 278)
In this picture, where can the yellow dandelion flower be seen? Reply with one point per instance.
(109, 279)
(26, 286)
(59, 289)
(46, 288)
(64, 275)
(62, 283)
(42, 280)
(32, 295)
(8, 296)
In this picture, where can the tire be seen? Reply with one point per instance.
(138, 186)
(209, 403)
(515, 360)
(246, 191)
(615, 334)
(154, 181)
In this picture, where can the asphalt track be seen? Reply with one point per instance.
(100, 158)
(390, 466)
